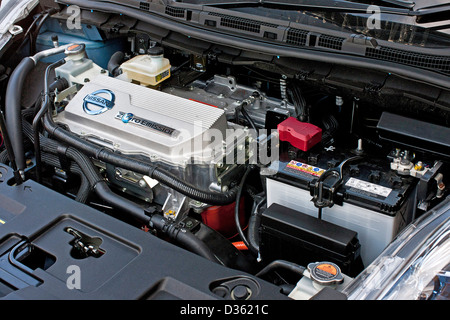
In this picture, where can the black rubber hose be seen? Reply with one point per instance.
(217, 199)
(41, 112)
(39, 21)
(85, 188)
(13, 109)
(247, 117)
(237, 206)
(115, 62)
(254, 223)
(293, 267)
(4, 155)
(18, 176)
(132, 209)
(183, 237)
(35, 33)
(54, 160)
(97, 182)
(100, 186)
(122, 161)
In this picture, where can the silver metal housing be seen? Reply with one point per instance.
(148, 122)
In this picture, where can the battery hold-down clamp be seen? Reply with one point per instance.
(326, 195)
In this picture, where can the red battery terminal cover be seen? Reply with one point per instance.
(301, 135)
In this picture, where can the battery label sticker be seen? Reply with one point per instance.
(369, 187)
(306, 168)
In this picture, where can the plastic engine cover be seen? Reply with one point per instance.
(137, 120)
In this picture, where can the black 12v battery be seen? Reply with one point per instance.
(362, 193)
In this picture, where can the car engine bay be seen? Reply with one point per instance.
(252, 161)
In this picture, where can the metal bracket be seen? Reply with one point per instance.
(85, 246)
(326, 196)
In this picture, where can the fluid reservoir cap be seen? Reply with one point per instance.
(155, 51)
(75, 49)
(325, 273)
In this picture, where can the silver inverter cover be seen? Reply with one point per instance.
(138, 120)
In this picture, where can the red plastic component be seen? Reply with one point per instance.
(301, 135)
(221, 218)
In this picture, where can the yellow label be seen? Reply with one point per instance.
(304, 167)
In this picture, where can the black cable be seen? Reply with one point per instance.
(28, 32)
(253, 225)
(85, 188)
(4, 156)
(39, 21)
(183, 237)
(247, 117)
(37, 119)
(55, 161)
(9, 148)
(115, 62)
(13, 109)
(33, 38)
(296, 96)
(293, 267)
(238, 201)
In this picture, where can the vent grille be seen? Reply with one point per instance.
(297, 37)
(144, 6)
(241, 23)
(330, 42)
(175, 12)
(428, 61)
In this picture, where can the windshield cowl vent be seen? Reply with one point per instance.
(175, 12)
(427, 61)
(297, 37)
(330, 42)
(242, 24)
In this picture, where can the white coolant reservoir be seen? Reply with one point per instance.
(149, 69)
(78, 68)
(318, 276)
